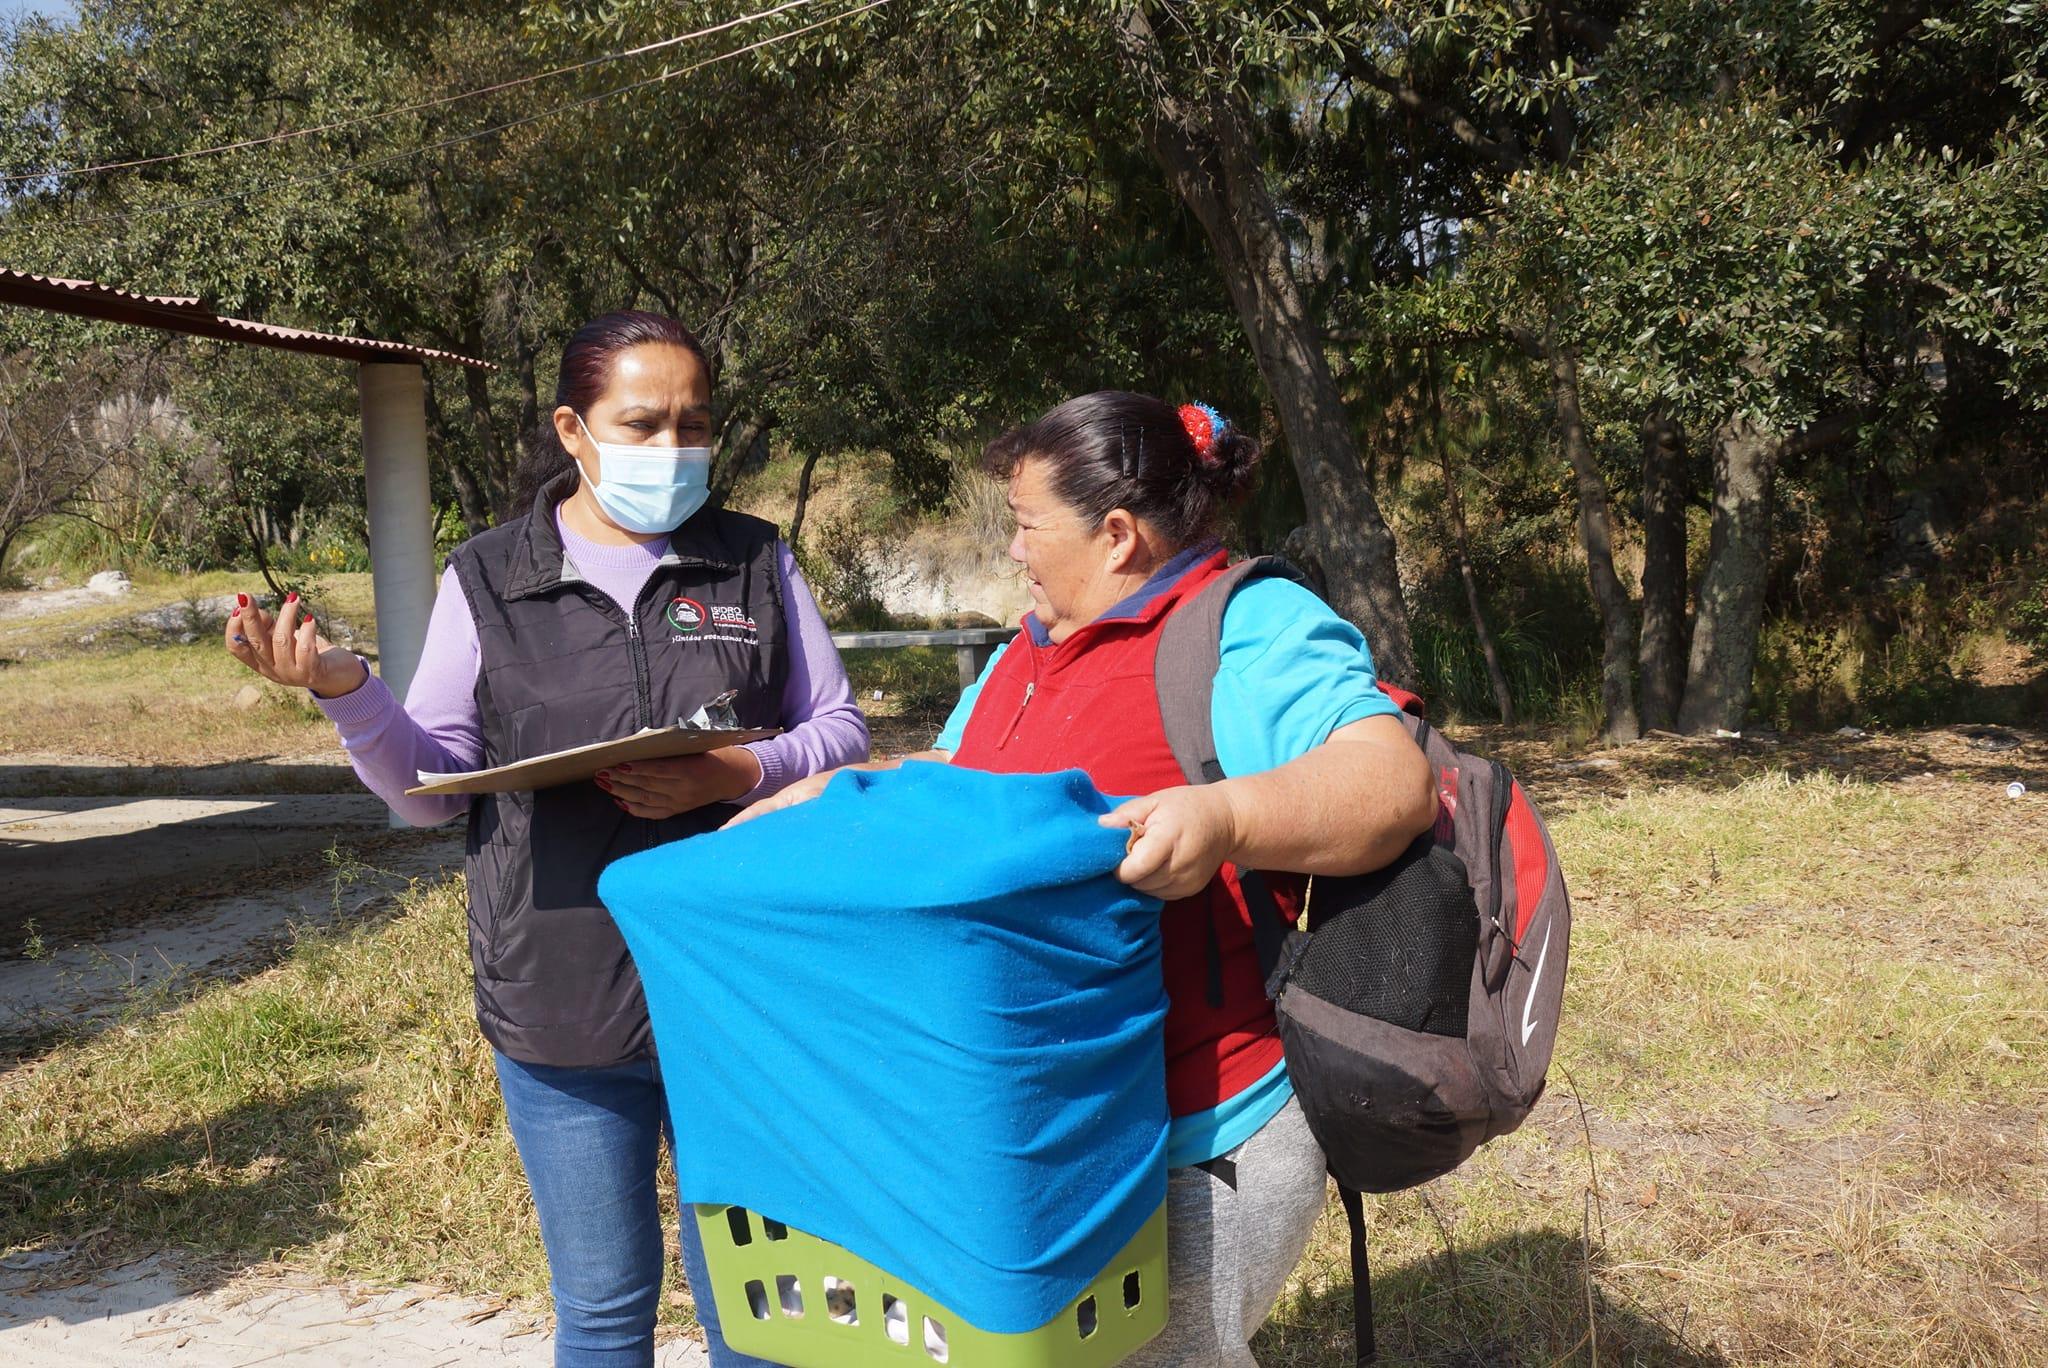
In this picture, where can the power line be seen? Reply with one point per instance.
(58, 173)
(388, 159)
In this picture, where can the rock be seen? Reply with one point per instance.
(248, 696)
(1852, 733)
(111, 583)
(187, 638)
(1989, 738)
(192, 615)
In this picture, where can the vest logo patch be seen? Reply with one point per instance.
(686, 615)
(720, 622)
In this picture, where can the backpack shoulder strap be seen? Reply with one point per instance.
(1184, 673)
(1184, 670)
(1364, 1343)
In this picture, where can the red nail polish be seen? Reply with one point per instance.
(292, 597)
(234, 612)
(625, 769)
(604, 783)
(242, 600)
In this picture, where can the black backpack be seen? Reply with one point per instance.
(1420, 1006)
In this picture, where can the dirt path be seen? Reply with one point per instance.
(145, 1313)
(148, 952)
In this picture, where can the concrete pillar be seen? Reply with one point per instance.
(402, 569)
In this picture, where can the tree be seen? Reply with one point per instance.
(55, 442)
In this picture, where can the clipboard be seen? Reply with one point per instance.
(582, 762)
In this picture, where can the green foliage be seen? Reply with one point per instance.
(2030, 620)
(337, 542)
(450, 531)
(905, 229)
(919, 683)
(844, 562)
(1547, 636)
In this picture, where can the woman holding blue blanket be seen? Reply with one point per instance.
(616, 599)
(1116, 498)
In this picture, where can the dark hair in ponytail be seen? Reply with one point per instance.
(1175, 468)
(586, 369)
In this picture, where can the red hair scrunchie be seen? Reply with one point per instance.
(1204, 426)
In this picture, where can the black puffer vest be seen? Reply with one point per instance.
(562, 665)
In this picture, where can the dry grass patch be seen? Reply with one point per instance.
(338, 1113)
(1810, 1045)
(141, 696)
(1812, 1129)
(155, 705)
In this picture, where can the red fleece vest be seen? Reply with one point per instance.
(1090, 703)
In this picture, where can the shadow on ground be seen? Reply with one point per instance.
(122, 961)
(1520, 1300)
(226, 1192)
(37, 776)
(1968, 754)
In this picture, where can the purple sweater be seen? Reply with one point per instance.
(439, 729)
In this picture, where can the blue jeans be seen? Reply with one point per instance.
(588, 1139)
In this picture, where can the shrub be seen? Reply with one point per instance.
(845, 564)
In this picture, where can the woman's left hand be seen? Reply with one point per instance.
(1181, 838)
(663, 788)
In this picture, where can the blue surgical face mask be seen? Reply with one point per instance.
(649, 489)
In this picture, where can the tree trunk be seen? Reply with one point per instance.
(1461, 543)
(498, 469)
(1207, 153)
(1662, 653)
(1503, 698)
(803, 497)
(529, 388)
(742, 431)
(470, 497)
(1596, 535)
(1731, 594)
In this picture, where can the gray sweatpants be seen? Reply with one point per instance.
(1235, 1228)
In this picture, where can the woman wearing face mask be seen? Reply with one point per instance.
(615, 601)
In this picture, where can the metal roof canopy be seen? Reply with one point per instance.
(186, 314)
(391, 385)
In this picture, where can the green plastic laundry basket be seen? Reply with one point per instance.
(794, 1299)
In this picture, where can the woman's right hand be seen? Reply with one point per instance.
(288, 649)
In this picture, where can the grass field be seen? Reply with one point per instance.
(84, 681)
(87, 680)
(1799, 1112)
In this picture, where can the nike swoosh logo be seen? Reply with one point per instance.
(1528, 1026)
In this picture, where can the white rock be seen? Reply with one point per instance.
(248, 696)
(112, 583)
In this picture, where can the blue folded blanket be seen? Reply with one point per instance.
(918, 1017)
